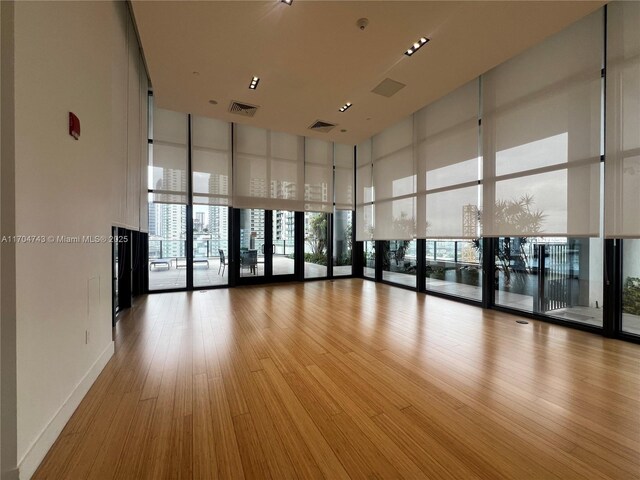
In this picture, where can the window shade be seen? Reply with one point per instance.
(364, 192)
(168, 157)
(268, 169)
(541, 137)
(448, 165)
(622, 163)
(343, 184)
(211, 161)
(318, 175)
(394, 180)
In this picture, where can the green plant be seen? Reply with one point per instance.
(317, 258)
(316, 237)
(437, 273)
(631, 296)
(344, 259)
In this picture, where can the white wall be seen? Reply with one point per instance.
(80, 57)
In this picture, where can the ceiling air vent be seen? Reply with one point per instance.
(388, 87)
(244, 109)
(320, 126)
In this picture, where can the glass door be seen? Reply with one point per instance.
(266, 246)
(283, 242)
(252, 243)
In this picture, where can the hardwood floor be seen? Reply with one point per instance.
(351, 379)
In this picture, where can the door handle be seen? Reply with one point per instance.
(273, 248)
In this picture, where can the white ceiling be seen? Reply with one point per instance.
(312, 58)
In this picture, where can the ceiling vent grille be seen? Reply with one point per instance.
(388, 87)
(244, 109)
(320, 126)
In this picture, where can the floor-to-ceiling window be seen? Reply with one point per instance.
(622, 161)
(168, 180)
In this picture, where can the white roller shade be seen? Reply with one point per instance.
(541, 137)
(394, 180)
(364, 192)
(168, 157)
(622, 163)
(211, 161)
(343, 184)
(268, 169)
(448, 165)
(318, 175)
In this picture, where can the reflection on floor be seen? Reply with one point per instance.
(206, 275)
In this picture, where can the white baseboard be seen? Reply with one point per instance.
(39, 448)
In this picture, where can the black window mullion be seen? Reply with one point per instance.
(612, 308)
(421, 264)
(488, 271)
(268, 244)
(189, 219)
(299, 247)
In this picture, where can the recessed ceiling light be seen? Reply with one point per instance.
(213, 102)
(254, 83)
(345, 107)
(416, 46)
(288, 2)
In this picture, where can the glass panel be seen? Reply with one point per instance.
(167, 246)
(369, 260)
(284, 229)
(252, 229)
(342, 242)
(631, 286)
(572, 287)
(516, 278)
(315, 244)
(454, 267)
(210, 245)
(558, 277)
(399, 262)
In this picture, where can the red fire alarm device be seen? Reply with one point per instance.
(74, 126)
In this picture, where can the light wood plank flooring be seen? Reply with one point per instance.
(351, 379)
